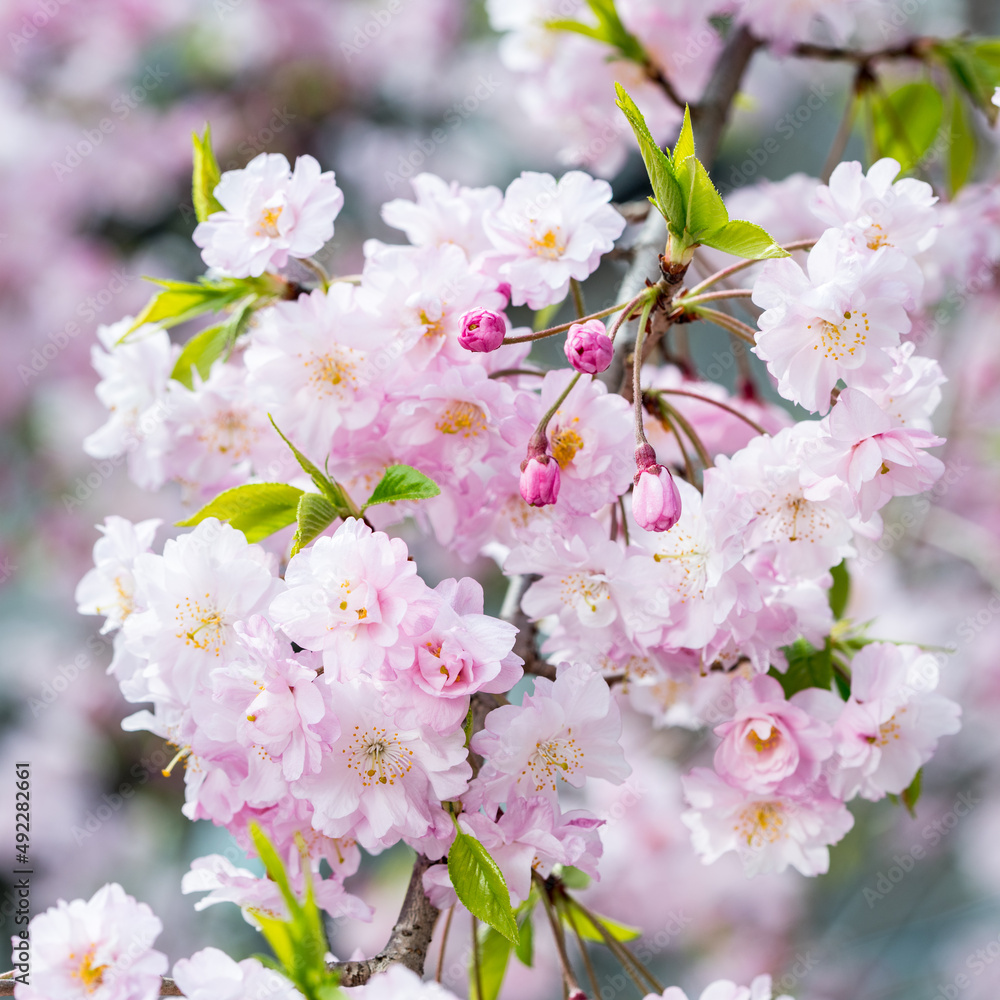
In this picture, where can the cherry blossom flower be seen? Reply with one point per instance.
(347, 596)
(444, 213)
(588, 347)
(892, 722)
(548, 232)
(656, 504)
(840, 316)
(770, 742)
(133, 388)
(482, 330)
(769, 832)
(382, 782)
(98, 949)
(270, 213)
(566, 731)
(876, 460)
(211, 974)
(724, 989)
(399, 983)
(874, 212)
(109, 588)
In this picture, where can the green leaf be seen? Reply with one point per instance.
(205, 177)
(667, 194)
(843, 685)
(256, 509)
(525, 947)
(906, 122)
(494, 955)
(705, 209)
(807, 667)
(184, 300)
(572, 878)
(609, 29)
(744, 239)
(480, 886)
(328, 487)
(974, 66)
(315, 514)
(684, 146)
(588, 929)
(961, 146)
(911, 794)
(840, 592)
(402, 482)
(206, 347)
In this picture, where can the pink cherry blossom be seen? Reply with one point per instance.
(548, 232)
(347, 597)
(540, 480)
(98, 949)
(399, 983)
(840, 316)
(588, 347)
(892, 722)
(211, 974)
(866, 454)
(770, 741)
(768, 832)
(656, 504)
(724, 989)
(270, 213)
(566, 731)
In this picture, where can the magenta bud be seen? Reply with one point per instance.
(482, 330)
(656, 504)
(644, 458)
(588, 347)
(540, 480)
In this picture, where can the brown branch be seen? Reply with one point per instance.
(915, 48)
(524, 644)
(409, 940)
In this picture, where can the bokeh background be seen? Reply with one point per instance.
(98, 99)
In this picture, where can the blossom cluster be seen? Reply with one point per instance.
(330, 697)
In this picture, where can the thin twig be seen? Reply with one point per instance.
(715, 402)
(476, 971)
(727, 322)
(714, 279)
(577, 290)
(444, 944)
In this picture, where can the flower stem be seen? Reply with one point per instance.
(713, 279)
(577, 291)
(563, 327)
(735, 326)
(640, 433)
(544, 422)
(317, 268)
(476, 971)
(722, 406)
(444, 944)
(685, 425)
(569, 978)
(723, 293)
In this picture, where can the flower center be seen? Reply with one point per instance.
(841, 340)
(332, 370)
(200, 625)
(228, 432)
(462, 417)
(760, 745)
(564, 444)
(877, 237)
(548, 245)
(761, 823)
(554, 758)
(889, 730)
(378, 757)
(90, 975)
(586, 589)
(267, 224)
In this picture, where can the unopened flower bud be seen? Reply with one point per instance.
(482, 330)
(540, 480)
(656, 504)
(588, 347)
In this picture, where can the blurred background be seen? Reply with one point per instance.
(98, 100)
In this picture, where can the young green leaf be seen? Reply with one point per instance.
(744, 239)
(402, 482)
(705, 210)
(183, 300)
(204, 348)
(911, 794)
(480, 885)
(667, 195)
(807, 667)
(961, 145)
(840, 592)
(315, 514)
(588, 929)
(256, 509)
(684, 147)
(525, 948)
(494, 955)
(328, 487)
(609, 29)
(906, 122)
(205, 177)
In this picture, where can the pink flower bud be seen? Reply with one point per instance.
(588, 347)
(656, 504)
(540, 480)
(482, 330)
